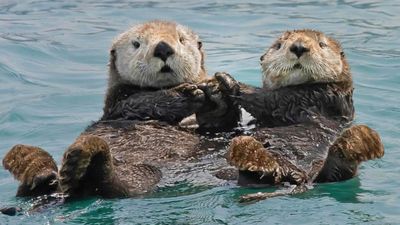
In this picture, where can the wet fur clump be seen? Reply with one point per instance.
(34, 167)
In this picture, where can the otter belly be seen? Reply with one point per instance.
(293, 154)
(181, 155)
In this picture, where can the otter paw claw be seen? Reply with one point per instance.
(192, 91)
(227, 83)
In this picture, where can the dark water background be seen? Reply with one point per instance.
(53, 57)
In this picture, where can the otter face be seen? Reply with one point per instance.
(303, 56)
(158, 54)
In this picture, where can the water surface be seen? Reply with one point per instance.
(53, 57)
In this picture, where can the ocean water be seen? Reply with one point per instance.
(53, 70)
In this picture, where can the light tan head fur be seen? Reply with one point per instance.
(134, 58)
(304, 56)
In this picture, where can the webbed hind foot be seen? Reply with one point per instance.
(258, 166)
(359, 143)
(356, 144)
(87, 169)
(34, 168)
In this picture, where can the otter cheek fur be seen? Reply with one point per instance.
(158, 55)
(302, 56)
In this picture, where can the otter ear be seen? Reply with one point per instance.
(203, 56)
(112, 58)
(286, 34)
(113, 73)
(111, 63)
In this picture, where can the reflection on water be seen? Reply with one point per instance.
(53, 57)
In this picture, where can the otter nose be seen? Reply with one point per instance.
(163, 51)
(298, 49)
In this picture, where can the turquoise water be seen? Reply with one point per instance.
(53, 57)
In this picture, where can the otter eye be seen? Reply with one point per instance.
(136, 44)
(322, 44)
(262, 57)
(199, 44)
(342, 54)
(181, 40)
(277, 46)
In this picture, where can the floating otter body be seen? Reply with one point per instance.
(156, 78)
(304, 112)
(312, 152)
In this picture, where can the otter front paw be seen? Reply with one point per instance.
(227, 83)
(216, 100)
(191, 91)
(220, 112)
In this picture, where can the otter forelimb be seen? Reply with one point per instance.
(170, 105)
(296, 104)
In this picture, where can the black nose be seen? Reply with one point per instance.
(163, 51)
(298, 49)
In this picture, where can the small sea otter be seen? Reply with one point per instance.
(156, 78)
(304, 113)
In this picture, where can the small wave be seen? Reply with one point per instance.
(13, 74)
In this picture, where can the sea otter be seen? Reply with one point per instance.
(156, 78)
(304, 113)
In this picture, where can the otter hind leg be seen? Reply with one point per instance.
(87, 169)
(140, 178)
(360, 143)
(258, 166)
(34, 168)
(356, 144)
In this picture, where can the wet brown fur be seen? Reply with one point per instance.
(137, 142)
(33, 167)
(306, 128)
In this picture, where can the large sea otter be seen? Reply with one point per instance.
(304, 114)
(156, 78)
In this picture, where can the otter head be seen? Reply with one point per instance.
(157, 54)
(304, 56)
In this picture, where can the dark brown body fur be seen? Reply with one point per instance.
(125, 157)
(296, 104)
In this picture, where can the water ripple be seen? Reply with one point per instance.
(53, 76)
